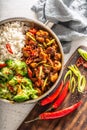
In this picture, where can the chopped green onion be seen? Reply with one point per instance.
(28, 34)
(41, 62)
(45, 82)
(47, 65)
(40, 72)
(50, 42)
(45, 45)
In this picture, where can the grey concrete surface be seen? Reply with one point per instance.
(11, 115)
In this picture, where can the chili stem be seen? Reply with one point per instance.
(37, 118)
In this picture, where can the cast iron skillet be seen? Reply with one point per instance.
(30, 22)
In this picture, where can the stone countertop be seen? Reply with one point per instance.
(11, 115)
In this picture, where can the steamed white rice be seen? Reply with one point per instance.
(11, 33)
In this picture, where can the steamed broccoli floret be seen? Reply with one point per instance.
(13, 81)
(21, 97)
(4, 93)
(27, 82)
(10, 63)
(7, 72)
(21, 67)
(18, 66)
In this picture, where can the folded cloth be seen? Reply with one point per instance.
(69, 17)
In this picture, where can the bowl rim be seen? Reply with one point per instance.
(42, 25)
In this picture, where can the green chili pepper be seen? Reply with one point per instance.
(73, 84)
(81, 83)
(83, 53)
(68, 74)
(75, 70)
(81, 78)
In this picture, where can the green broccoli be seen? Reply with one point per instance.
(4, 93)
(13, 81)
(7, 72)
(27, 82)
(3, 78)
(18, 66)
(10, 63)
(21, 67)
(20, 97)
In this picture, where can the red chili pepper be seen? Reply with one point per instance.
(85, 65)
(61, 113)
(79, 61)
(29, 73)
(57, 114)
(2, 65)
(62, 96)
(53, 96)
(8, 46)
(33, 31)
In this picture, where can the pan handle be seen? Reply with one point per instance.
(49, 24)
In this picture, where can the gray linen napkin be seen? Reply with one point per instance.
(69, 18)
